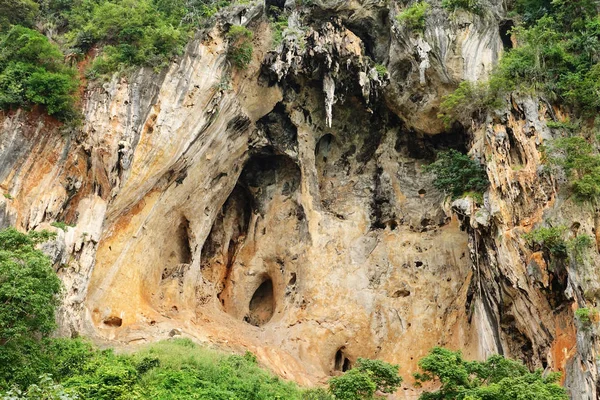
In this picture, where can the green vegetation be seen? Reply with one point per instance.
(558, 52)
(61, 225)
(22, 12)
(584, 315)
(455, 173)
(32, 72)
(279, 23)
(362, 381)
(556, 57)
(581, 163)
(240, 46)
(352, 385)
(414, 16)
(384, 375)
(579, 247)
(469, 101)
(29, 291)
(495, 379)
(474, 6)
(549, 239)
(381, 70)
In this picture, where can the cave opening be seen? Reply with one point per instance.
(341, 363)
(323, 147)
(279, 129)
(276, 4)
(506, 27)
(182, 236)
(113, 322)
(262, 304)
(421, 146)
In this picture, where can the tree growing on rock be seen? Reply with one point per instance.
(365, 379)
(29, 291)
(497, 378)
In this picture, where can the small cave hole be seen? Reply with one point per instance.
(183, 242)
(422, 193)
(401, 293)
(418, 264)
(393, 225)
(262, 305)
(113, 322)
(505, 33)
(292, 279)
(324, 146)
(280, 4)
(425, 222)
(341, 363)
(346, 365)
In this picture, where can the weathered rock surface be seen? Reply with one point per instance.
(283, 209)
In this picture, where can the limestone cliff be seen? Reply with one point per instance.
(283, 209)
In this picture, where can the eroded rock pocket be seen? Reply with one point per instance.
(262, 304)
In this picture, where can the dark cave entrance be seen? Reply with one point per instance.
(113, 322)
(262, 304)
(506, 27)
(342, 363)
(182, 236)
(274, 3)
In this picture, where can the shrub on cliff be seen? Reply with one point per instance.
(455, 173)
(414, 16)
(474, 6)
(495, 379)
(581, 164)
(17, 12)
(549, 239)
(240, 46)
(32, 72)
(361, 382)
(29, 291)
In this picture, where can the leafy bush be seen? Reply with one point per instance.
(578, 158)
(549, 239)
(495, 379)
(29, 287)
(353, 385)
(557, 52)
(32, 72)
(279, 23)
(60, 225)
(579, 246)
(471, 101)
(584, 315)
(45, 389)
(381, 70)
(362, 381)
(17, 12)
(474, 6)
(240, 46)
(384, 375)
(316, 394)
(455, 173)
(29, 291)
(414, 16)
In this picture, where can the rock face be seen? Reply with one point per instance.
(283, 209)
